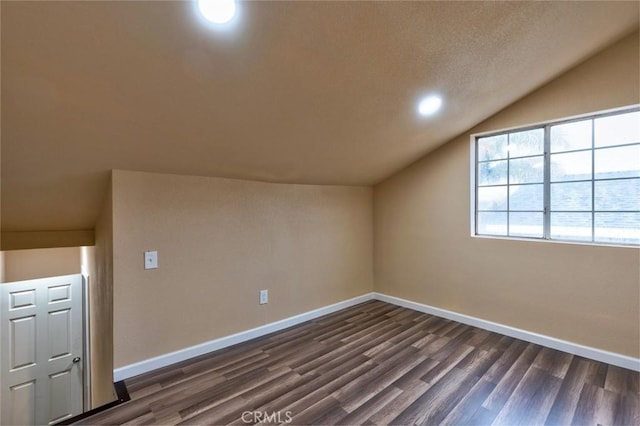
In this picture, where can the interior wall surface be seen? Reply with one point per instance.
(424, 251)
(219, 242)
(40, 263)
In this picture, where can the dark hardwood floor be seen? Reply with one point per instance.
(377, 363)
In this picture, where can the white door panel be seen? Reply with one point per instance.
(22, 400)
(22, 341)
(41, 335)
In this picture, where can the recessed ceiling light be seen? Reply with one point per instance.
(429, 105)
(217, 11)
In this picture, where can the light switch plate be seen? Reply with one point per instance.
(150, 259)
(264, 297)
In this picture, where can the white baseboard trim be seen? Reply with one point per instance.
(528, 336)
(150, 364)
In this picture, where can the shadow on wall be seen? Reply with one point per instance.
(19, 265)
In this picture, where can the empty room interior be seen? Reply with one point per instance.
(243, 212)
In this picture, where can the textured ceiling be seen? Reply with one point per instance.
(301, 92)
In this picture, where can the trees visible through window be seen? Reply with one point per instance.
(575, 180)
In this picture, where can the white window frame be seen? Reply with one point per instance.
(547, 178)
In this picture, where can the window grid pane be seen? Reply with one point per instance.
(586, 172)
(525, 224)
(492, 173)
(526, 170)
(492, 198)
(618, 129)
(492, 148)
(492, 223)
(617, 227)
(571, 166)
(526, 197)
(526, 143)
(571, 226)
(571, 136)
(617, 195)
(571, 196)
(612, 163)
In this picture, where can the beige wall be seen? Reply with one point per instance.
(40, 263)
(424, 251)
(219, 242)
(100, 268)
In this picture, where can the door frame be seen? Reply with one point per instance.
(86, 340)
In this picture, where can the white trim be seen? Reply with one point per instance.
(223, 342)
(586, 115)
(86, 340)
(150, 364)
(472, 190)
(528, 336)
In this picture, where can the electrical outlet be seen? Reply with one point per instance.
(264, 297)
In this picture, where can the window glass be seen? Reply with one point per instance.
(492, 198)
(492, 173)
(620, 129)
(527, 224)
(586, 188)
(617, 162)
(571, 136)
(571, 226)
(529, 142)
(573, 196)
(492, 148)
(572, 166)
(526, 170)
(526, 197)
(617, 195)
(491, 223)
(617, 227)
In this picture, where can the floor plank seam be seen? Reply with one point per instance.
(377, 363)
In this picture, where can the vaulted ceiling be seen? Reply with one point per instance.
(297, 92)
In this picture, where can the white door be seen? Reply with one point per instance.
(41, 350)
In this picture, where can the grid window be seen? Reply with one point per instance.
(510, 181)
(576, 180)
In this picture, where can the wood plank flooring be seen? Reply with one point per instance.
(377, 363)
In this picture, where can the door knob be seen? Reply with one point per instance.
(76, 360)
